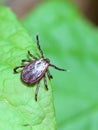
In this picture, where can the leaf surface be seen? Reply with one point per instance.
(18, 108)
(71, 42)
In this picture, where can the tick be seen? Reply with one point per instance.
(36, 69)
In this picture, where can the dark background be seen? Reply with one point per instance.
(89, 8)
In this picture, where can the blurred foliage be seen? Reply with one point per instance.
(2, 1)
(18, 108)
(71, 42)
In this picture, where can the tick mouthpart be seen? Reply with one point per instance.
(47, 60)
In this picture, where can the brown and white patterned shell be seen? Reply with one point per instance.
(34, 71)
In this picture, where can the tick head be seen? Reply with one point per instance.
(47, 60)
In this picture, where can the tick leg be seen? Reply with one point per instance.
(45, 82)
(57, 67)
(24, 60)
(29, 53)
(17, 67)
(37, 89)
(49, 75)
(41, 52)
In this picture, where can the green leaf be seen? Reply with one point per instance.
(18, 108)
(71, 42)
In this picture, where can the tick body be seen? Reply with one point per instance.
(36, 69)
